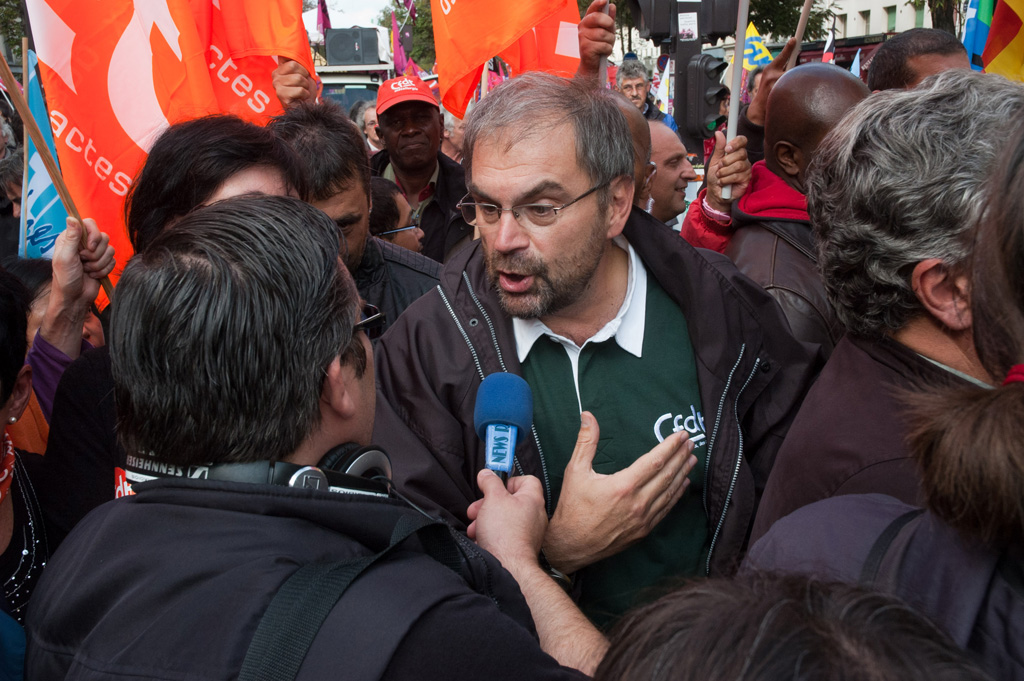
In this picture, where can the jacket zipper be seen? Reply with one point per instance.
(736, 468)
(718, 421)
(501, 361)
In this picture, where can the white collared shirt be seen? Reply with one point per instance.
(627, 327)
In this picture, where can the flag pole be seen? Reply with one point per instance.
(32, 128)
(742, 13)
(23, 220)
(805, 13)
(602, 64)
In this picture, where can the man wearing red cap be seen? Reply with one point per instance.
(409, 127)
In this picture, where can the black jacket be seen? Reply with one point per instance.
(392, 277)
(850, 435)
(752, 374)
(172, 582)
(443, 227)
(974, 592)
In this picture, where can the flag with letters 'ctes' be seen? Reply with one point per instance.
(528, 34)
(755, 53)
(116, 74)
(43, 216)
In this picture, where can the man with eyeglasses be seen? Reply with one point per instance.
(329, 146)
(630, 340)
(631, 80)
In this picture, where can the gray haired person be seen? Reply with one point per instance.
(633, 81)
(893, 193)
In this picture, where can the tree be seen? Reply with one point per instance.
(944, 14)
(779, 18)
(12, 28)
(422, 31)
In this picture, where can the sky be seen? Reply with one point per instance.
(345, 13)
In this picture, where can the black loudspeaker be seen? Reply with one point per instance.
(346, 46)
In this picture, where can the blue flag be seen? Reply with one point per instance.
(42, 214)
(979, 20)
(855, 66)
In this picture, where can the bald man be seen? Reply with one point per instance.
(772, 243)
(668, 186)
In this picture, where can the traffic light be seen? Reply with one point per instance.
(718, 19)
(704, 90)
(655, 19)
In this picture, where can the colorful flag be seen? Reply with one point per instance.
(323, 17)
(828, 55)
(979, 19)
(754, 51)
(1004, 50)
(114, 79)
(855, 66)
(397, 51)
(411, 6)
(467, 34)
(43, 216)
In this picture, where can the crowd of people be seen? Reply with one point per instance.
(772, 437)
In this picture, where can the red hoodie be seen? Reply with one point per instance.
(768, 196)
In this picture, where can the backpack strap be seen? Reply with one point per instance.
(879, 550)
(298, 610)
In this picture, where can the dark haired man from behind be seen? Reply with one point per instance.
(331, 148)
(234, 512)
(893, 253)
(772, 243)
(762, 627)
(192, 163)
(904, 60)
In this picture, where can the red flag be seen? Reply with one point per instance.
(467, 34)
(552, 46)
(116, 78)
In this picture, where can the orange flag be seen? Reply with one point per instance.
(468, 33)
(552, 46)
(116, 78)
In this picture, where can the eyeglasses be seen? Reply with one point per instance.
(371, 321)
(396, 231)
(527, 215)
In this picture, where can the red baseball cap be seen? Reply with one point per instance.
(403, 89)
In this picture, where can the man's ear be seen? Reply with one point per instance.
(336, 394)
(21, 394)
(620, 203)
(788, 156)
(944, 294)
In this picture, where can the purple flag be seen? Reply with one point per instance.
(401, 60)
(323, 19)
(411, 6)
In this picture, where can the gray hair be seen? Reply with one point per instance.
(899, 181)
(449, 119)
(536, 102)
(358, 113)
(631, 68)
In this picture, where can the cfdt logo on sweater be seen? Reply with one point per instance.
(692, 423)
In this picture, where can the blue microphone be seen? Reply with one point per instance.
(504, 408)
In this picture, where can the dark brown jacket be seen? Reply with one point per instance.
(850, 435)
(773, 245)
(752, 376)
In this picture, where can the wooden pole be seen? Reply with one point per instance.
(742, 13)
(805, 13)
(32, 128)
